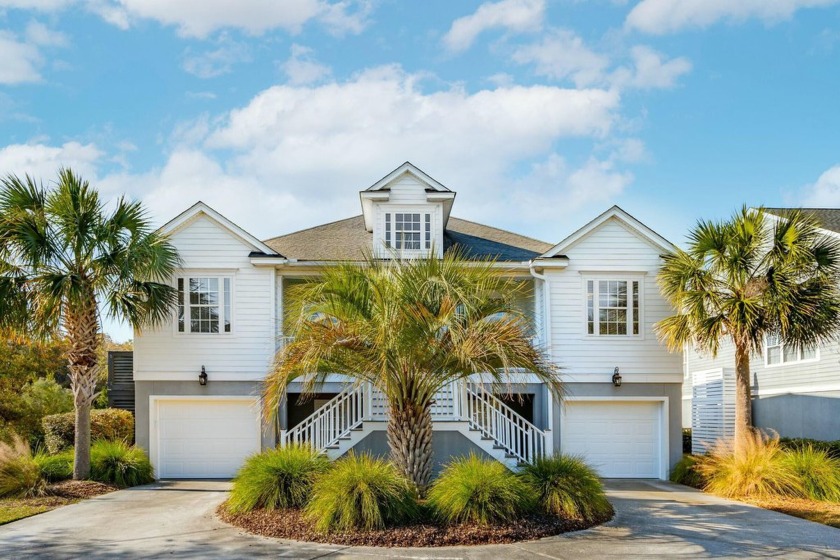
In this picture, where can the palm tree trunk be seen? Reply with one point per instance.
(410, 441)
(743, 396)
(82, 326)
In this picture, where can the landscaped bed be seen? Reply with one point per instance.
(292, 524)
(60, 494)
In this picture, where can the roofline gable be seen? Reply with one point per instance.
(618, 213)
(412, 169)
(199, 208)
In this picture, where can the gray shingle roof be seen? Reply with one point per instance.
(829, 218)
(348, 240)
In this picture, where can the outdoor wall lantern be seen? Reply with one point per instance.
(616, 378)
(202, 377)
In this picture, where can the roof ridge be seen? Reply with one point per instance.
(311, 228)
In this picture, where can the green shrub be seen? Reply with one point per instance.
(360, 492)
(566, 486)
(116, 462)
(110, 424)
(760, 470)
(278, 478)
(19, 474)
(818, 472)
(55, 468)
(685, 472)
(832, 448)
(471, 489)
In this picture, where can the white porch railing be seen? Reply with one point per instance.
(460, 401)
(333, 421)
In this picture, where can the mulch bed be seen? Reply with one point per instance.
(79, 489)
(291, 524)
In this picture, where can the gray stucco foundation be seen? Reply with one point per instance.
(795, 416)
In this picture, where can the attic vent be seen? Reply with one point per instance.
(121, 380)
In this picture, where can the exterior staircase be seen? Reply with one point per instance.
(481, 417)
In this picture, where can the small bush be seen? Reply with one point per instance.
(55, 468)
(110, 424)
(471, 489)
(360, 492)
(817, 471)
(686, 441)
(832, 448)
(759, 471)
(120, 464)
(685, 472)
(19, 474)
(278, 478)
(567, 487)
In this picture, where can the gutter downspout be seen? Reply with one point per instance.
(546, 317)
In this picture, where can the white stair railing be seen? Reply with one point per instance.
(504, 426)
(333, 421)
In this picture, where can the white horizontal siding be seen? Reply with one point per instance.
(612, 250)
(246, 353)
(407, 190)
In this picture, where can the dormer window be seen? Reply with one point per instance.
(408, 231)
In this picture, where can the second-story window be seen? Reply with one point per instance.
(204, 304)
(778, 353)
(612, 307)
(408, 231)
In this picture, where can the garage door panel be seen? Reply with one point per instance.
(619, 439)
(205, 438)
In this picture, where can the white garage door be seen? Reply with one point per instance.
(620, 439)
(204, 438)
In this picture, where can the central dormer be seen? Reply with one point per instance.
(407, 212)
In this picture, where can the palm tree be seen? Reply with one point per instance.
(408, 328)
(62, 255)
(746, 278)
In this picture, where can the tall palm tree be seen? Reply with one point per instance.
(746, 278)
(62, 256)
(409, 328)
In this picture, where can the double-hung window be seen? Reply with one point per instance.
(778, 353)
(204, 304)
(612, 307)
(408, 231)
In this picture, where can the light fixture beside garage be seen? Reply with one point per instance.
(202, 377)
(616, 378)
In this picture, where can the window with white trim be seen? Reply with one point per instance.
(612, 307)
(778, 353)
(204, 304)
(408, 230)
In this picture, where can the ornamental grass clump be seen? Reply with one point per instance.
(361, 492)
(277, 478)
(55, 468)
(19, 473)
(685, 472)
(818, 472)
(474, 490)
(120, 464)
(567, 487)
(756, 469)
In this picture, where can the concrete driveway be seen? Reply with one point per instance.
(175, 520)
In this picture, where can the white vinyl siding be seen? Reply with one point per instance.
(209, 250)
(610, 252)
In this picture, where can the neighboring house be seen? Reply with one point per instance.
(796, 392)
(593, 299)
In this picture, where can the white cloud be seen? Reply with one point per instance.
(40, 5)
(562, 54)
(21, 61)
(301, 68)
(218, 61)
(650, 70)
(43, 161)
(825, 192)
(39, 34)
(668, 16)
(511, 15)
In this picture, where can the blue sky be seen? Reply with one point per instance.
(540, 114)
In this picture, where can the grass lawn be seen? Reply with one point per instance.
(827, 513)
(12, 509)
